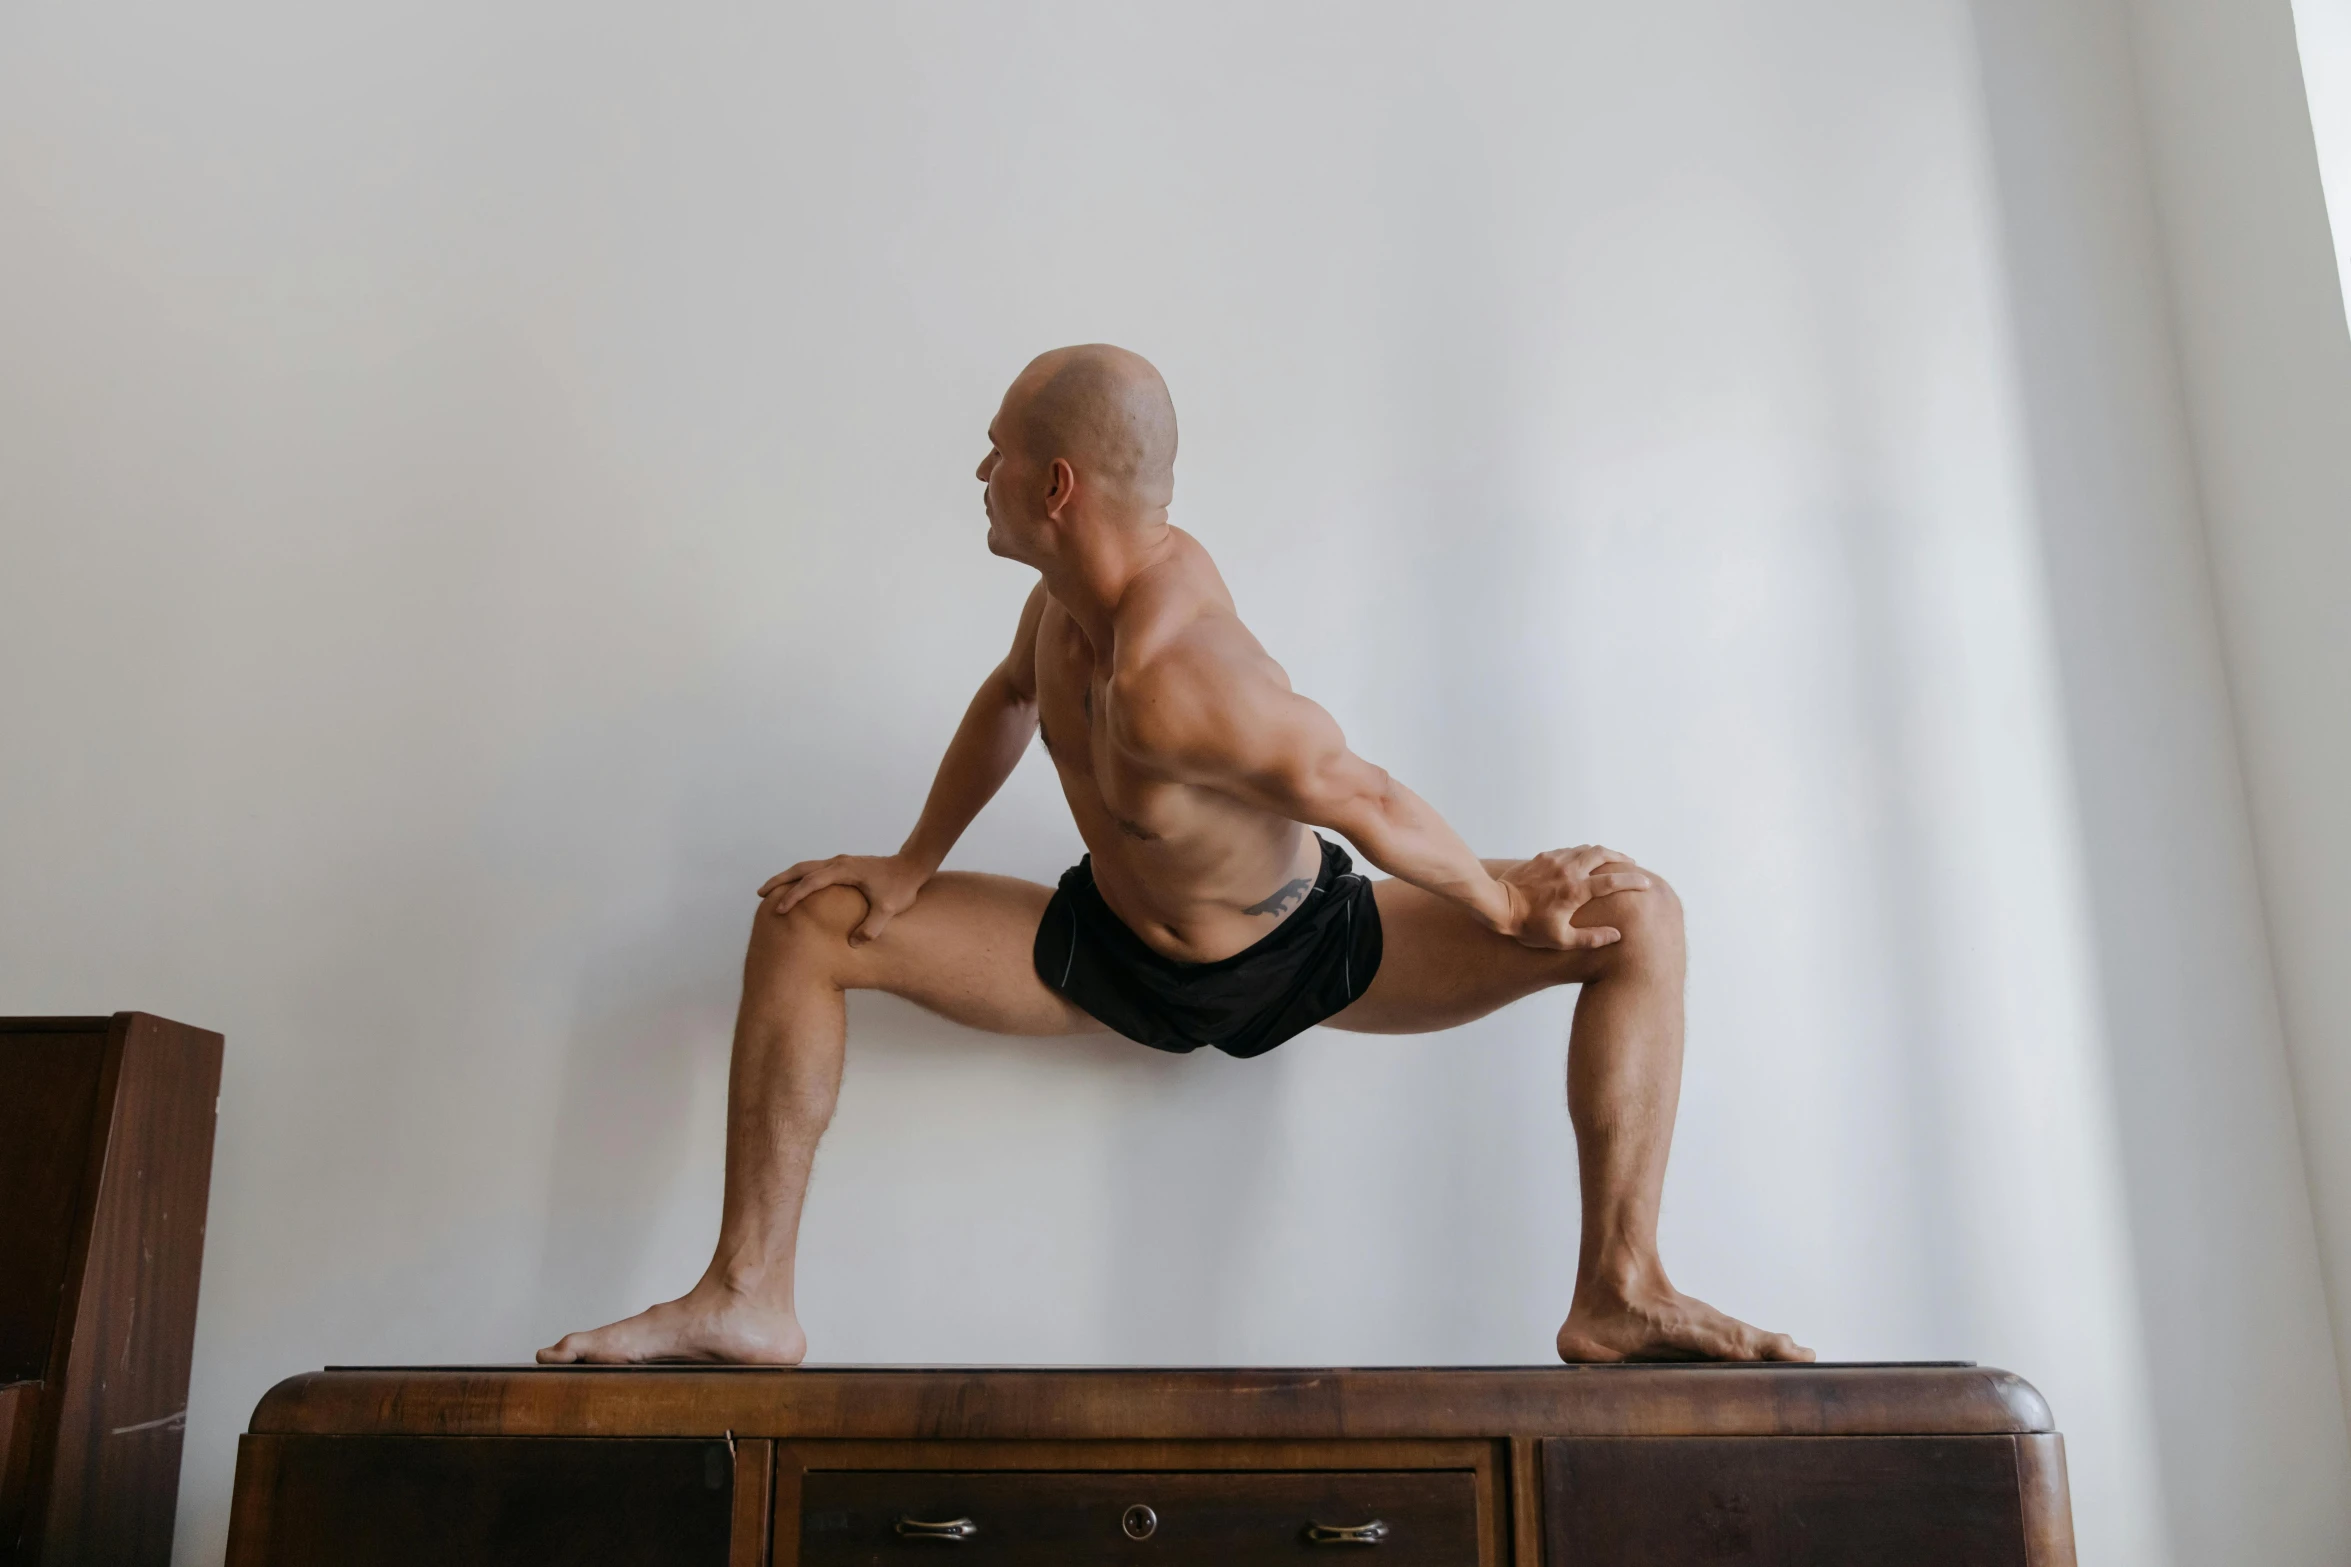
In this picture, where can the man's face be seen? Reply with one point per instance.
(1014, 488)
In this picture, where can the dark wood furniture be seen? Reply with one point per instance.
(1824, 1466)
(105, 1163)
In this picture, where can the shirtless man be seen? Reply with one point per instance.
(1207, 912)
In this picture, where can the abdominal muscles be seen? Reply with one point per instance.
(1198, 875)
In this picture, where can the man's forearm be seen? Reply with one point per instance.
(1403, 835)
(987, 746)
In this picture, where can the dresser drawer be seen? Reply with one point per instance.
(1396, 1518)
(372, 1501)
(1791, 1501)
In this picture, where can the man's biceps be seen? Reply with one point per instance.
(1330, 768)
(1014, 682)
(1020, 660)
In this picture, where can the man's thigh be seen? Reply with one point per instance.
(964, 950)
(1440, 968)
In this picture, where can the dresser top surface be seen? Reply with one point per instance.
(1289, 1403)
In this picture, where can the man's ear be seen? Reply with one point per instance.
(1064, 486)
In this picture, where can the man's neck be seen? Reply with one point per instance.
(1092, 580)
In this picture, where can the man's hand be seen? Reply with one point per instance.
(1546, 891)
(890, 883)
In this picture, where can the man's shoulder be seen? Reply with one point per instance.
(1186, 683)
(1183, 661)
(1177, 613)
(1181, 640)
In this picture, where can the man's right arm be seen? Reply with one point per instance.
(1204, 716)
(996, 729)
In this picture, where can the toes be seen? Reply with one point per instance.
(1718, 1337)
(573, 1349)
(1755, 1344)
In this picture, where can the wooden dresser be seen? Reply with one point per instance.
(1824, 1466)
(105, 1165)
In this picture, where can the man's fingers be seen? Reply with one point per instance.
(872, 925)
(1592, 856)
(1572, 938)
(787, 876)
(814, 881)
(1617, 881)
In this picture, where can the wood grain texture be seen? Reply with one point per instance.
(105, 1455)
(1526, 1499)
(2045, 1500)
(1273, 1404)
(1920, 1501)
(783, 1529)
(754, 1503)
(253, 1506)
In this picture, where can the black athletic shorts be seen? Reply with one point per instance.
(1307, 968)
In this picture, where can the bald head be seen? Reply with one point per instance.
(1105, 411)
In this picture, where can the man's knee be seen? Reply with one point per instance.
(814, 929)
(1650, 919)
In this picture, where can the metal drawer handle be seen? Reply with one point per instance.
(954, 1531)
(1371, 1533)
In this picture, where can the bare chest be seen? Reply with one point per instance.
(1075, 716)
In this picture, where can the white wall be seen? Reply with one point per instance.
(2252, 1437)
(482, 489)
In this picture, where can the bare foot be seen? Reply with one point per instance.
(1665, 1324)
(710, 1322)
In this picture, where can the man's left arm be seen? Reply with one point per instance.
(1240, 730)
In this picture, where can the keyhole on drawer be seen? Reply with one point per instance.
(1138, 1522)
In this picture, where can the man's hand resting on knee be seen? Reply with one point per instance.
(1546, 891)
(890, 883)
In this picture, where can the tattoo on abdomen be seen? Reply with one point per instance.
(1289, 893)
